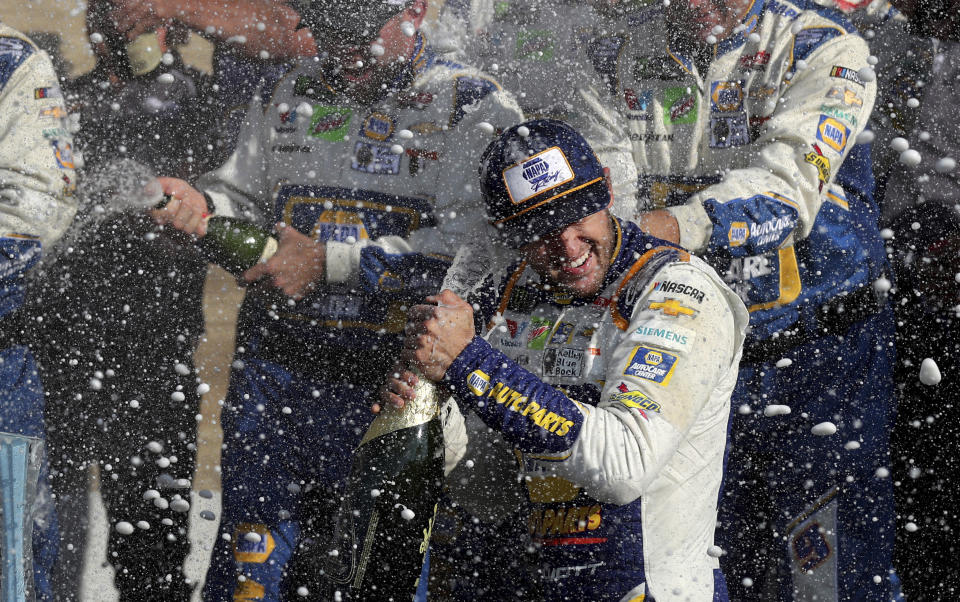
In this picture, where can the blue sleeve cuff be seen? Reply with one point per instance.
(532, 415)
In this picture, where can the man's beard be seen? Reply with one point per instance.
(368, 90)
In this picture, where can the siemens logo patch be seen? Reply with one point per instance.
(663, 333)
(669, 286)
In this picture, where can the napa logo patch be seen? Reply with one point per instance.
(63, 153)
(726, 97)
(562, 334)
(478, 382)
(339, 225)
(738, 234)
(832, 133)
(651, 364)
(542, 172)
(378, 126)
(252, 542)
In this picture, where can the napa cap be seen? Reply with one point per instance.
(538, 177)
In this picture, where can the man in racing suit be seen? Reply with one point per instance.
(36, 184)
(606, 358)
(367, 170)
(744, 123)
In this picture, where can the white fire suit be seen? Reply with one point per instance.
(754, 152)
(617, 406)
(36, 185)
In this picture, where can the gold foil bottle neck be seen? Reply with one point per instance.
(424, 407)
(144, 53)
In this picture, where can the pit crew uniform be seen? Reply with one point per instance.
(389, 188)
(36, 183)
(617, 407)
(542, 52)
(754, 153)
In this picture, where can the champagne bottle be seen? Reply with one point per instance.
(235, 244)
(383, 527)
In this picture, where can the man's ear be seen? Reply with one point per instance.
(417, 12)
(606, 178)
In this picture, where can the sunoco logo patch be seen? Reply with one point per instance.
(539, 173)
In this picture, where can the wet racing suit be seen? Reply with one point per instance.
(617, 407)
(36, 184)
(390, 189)
(753, 150)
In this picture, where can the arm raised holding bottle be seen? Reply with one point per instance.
(294, 266)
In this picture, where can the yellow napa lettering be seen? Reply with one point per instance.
(593, 518)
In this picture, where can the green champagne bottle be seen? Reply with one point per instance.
(235, 244)
(383, 528)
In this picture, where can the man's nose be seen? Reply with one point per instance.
(565, 243)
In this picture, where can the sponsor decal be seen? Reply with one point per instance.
(679, 106)
(339, 226)
(821, 163)
(562, 334)
(522, 300)
(514, 401)
(63, 153)
(469, 91)
(478, 382)
(669, 286)
(840, 114)
(544, 171)
(411, 99)
(781, 9)
(290, 148)
(660, 334)
(563, 362)
(636, 400)
(535, 44)
(49, 92)
(761, 92)
(425, 128)
(539, 330)
(417, 156)
(378, 126)
(651, 364)
(601, 301)
(638, 104)
(53, 113)
(248, 590)
(564, 520)
(770, 230)
(376, 159)
(650, 137)
(330, 123)
(586, 332)
(252, 549)
(832, 133)
(562, 297)
(810, 547)
(57, 132)
(671, 307)
(755, 61)
(847, 74)
(845, 95)
(515, 327)
(726, 96)
(738, 234)
(727, 131)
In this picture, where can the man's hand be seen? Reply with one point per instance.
(187, 209)
(660, 223)
(297, 266)
(398, 390)
(134, 17)
(436, 334)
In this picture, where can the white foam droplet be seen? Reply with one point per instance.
(303, 592)
(374, 493)
(911, 527)
(408, 29)
(744, 409)
(882, 472)
(945, 165)
(396, 149)
(886, 234)
(715, 551)
(754, 37)
(823, 429)
(405, 134)
(133, 403)
(851, 445)
(913, 103)
(143, 525)
(205, 494)
(711, 39)
(180, 505)
(910, 157)
(867, 74)
(155, 447)
(177, 396)
(304, 109)
(747, 582)
(96, 384)
(407, 514)
(469, 464)
(784, 362)
(165, 78)
(96, 37)
(207, 515)
(124, 528)
(151, 494)
(181, 369)
(485, 127)
(929, 372)
(882, 285)
(899, 144)
(775, 409)
(523, 131)
(376, 50)
(203, 389)
(286, 410)
(252, 537)
(865, 137)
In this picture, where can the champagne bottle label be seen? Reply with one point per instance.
(144, 54)
(424, 407)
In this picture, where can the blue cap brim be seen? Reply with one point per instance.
(554, 215)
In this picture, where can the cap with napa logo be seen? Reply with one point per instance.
(539, 177)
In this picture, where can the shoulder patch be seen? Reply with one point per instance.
(468, 90)
(651, 364)
(13, 52)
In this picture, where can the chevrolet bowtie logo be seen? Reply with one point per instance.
(672, 307)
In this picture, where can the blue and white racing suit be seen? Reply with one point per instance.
(755, 152)
(617, 406)
(36, 182)
(390, 189)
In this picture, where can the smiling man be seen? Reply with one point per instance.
(606, 358)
